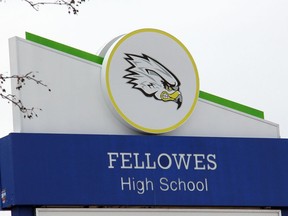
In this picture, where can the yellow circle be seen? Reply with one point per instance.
(129, 121)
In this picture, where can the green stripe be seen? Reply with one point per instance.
(64, 48)
(231, 104)
(99, 60)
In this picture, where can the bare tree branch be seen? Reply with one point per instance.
(21, 81)
(22, 78)
(72, 5)
(28, 112)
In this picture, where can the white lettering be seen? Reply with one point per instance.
(140, 186)
(181, 185)
(163, 182)
(127, 183)
(199, 162)
(165, 161)
(191, 186)
(212, 165)
(182, 159)
(149, 166)
(137, 162)
(126, 163)
(162, 163)
(112, 159)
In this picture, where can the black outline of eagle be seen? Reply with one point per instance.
(153, 79)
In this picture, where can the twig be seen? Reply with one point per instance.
(21, 79)
(28, 112)
(29, 76)
(72, 5)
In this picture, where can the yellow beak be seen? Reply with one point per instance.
(165, 96)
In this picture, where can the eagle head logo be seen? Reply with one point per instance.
(153, 79)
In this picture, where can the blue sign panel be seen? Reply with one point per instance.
(58, 169)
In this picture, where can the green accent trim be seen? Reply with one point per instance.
(99, 60)
(64, 48)
(231, 104)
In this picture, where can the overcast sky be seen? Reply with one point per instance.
(240, 46)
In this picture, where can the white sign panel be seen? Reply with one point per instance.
(154, 212)
(76, 103)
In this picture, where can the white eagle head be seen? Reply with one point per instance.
(153, 79)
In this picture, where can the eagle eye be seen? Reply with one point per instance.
(167, 86)
(170, 87)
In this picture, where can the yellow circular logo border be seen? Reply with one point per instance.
(129, 121)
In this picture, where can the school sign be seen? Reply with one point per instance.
(95, 142)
